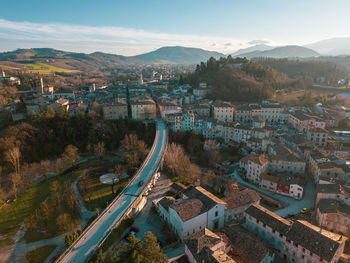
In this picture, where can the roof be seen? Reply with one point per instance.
(244, 246)
(201, 239)
(208, 199)
(333, 206)
(244, 197)
(177, 187)
(319, 130)
(269, 218)
(269, 178)
(329, 188)
(188, 208)
(166, 202)
(260, 159)
(319, 241)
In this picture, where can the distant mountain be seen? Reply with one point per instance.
(178, 55)
(282, 52)
(261, 47)
(332, 46)
(68, 60)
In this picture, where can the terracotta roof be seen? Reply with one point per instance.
(259, 159)
(188, 208)
(320, 242)
(238, 199)
(201, 239)
(244, 246)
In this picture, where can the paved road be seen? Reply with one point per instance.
(89, 240)
(294, 206)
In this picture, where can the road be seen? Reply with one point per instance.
(294, 206)
(90, 238)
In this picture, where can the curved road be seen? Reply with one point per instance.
(92, 237)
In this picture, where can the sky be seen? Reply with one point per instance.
(131, 27)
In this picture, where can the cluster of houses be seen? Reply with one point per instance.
(237, 228)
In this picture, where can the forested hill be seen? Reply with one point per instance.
(330, 71)
(238, 79)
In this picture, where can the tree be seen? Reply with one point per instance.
(133, 252)
(45, 167)
(2, 197)
(13, 156)
(99, 149)
(55, 187)
(64, 222)
(132, 159)
(46, 210)
(59, 165)
(16, 180)
(71, 154)
(150, 249)
(132, 143)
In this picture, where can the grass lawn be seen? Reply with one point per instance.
(229, 155)
(45, 67)
(12, 216)
(99, 194)
(39, 255)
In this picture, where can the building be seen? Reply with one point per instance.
(143, 108)
(333, 191)
(297, 241)
(116, 110)
(318, 136)
(257, 164)
(334, 216)
(206, 246)
(223, 111)
(197, 210)
(237, 203)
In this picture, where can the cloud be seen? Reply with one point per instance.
(258, 42)
(117, 40)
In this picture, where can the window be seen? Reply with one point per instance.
(216, 213)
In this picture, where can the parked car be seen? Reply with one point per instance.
(141, 183)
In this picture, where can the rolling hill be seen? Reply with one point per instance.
(332, 46)
(177, 55)
(261, 47)
(282, 52)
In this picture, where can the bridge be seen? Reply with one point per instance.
(94, 235)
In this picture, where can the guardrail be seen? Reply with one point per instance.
(89, 227)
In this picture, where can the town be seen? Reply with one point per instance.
(175, 131)
(283, 190)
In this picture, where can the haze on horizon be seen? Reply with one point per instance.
(134, 27)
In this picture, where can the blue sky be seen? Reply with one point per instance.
(131, 27)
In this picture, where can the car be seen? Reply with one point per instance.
(134, 229)
(304, 210)
(141, 183)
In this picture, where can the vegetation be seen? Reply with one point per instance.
(179, 164)
(325, 72)
(70, 238)
(239, 79)
(136, 251)
(39, 255)
(43, 67)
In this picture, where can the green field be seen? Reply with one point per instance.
(39, 255)
(45, 67)
(12, 215)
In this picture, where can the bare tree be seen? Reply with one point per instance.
(16, 180)
(132, 159)
(55, 187)
(45, 167)
(2, 197)
(71, 154)
(13, 156)
(99, 149)
(58, 165)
